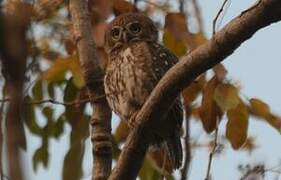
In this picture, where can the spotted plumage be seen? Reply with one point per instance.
(136, 64)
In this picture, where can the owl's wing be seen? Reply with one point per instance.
(162, 59)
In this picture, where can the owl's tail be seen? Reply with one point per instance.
(175, 151)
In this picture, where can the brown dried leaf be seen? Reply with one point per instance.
(121, 6)
(175, 23)
(226, 96)
(192, 91)
(98, 33)
(209, 111)
(274, 121)
(249, 144)
(237, 125)
(259, 108)
(100, 10)
(70, 47)
(220, 71)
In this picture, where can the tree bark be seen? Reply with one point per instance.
(93, 75)
(183, 73)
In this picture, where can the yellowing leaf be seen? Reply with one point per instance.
(192, 91)
(176, 46)
(226, 96)
(259, 108)
(209, 112)
(199, 39)
(57, 71)
(237, 125)
(176, 32)
(122, 132)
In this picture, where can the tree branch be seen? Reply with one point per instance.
(93, 75)
(183, 73)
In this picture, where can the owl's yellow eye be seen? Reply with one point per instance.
(135, 27)
(115, 33)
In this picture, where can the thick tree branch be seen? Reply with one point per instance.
(101, 118)
(183, 73)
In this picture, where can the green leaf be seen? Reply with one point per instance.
(40, 156)
(37, 91)
(51, 91)
(48, 113)
(58, 127)
(29, 118)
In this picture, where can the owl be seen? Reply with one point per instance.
(136, 64)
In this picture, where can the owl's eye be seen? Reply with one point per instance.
(135, 27)
(115, 33)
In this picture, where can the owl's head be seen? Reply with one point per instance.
(127, 28)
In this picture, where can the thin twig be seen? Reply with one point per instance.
(52, 101)
(212, 152)
(255, 5)
(184, 171)
(217, 16)
(1, 140)
(181, 6)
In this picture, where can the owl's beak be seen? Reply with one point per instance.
(125, 37)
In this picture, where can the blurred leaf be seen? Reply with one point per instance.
(159, 160)
(175, 33)
(69, 46)
(259, 107)
(122, 132)
(209, 112)
(29, 118)
(48, 113)
(76, 71)
(220, 71)
(72, 168)
(199, 39)
(57, 71)
(237, 125)
(37, 91)
(70, 94)
(192, 91)
(249, 144)
(51, 90)
(98, 33)
(226, 96)
(147, 172)
(100, 9)
(274, 121)
(175, 24)
(176, 46)
(121, 6)
(58, 127)
(41, 155)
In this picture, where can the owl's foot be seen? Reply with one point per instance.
(132, 120)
